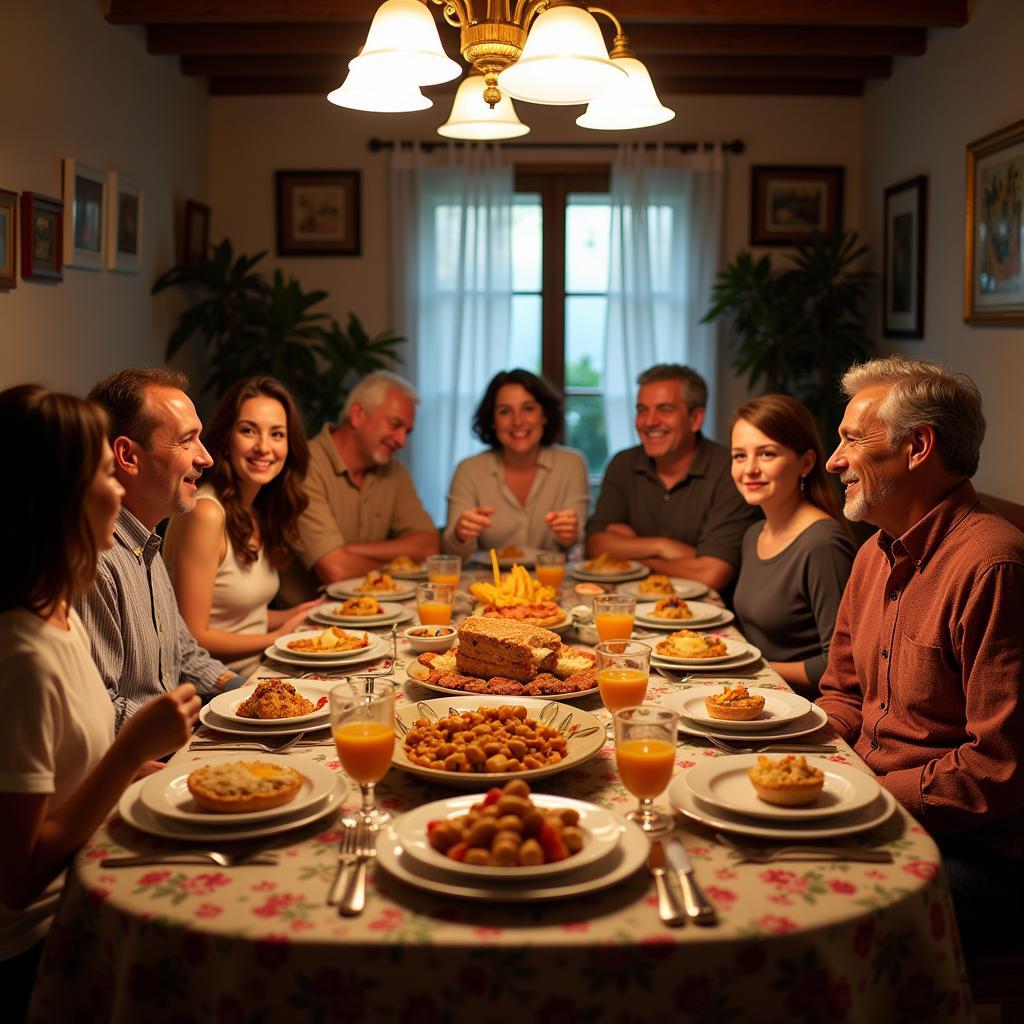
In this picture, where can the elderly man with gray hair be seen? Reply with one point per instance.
(363, 509)
(926, 668)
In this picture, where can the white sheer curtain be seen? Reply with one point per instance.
(451, 240)
(666, 239)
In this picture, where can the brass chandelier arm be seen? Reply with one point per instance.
(620, 45)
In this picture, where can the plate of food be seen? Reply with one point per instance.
(365, 611)
(543, 613)
(734, 706)
(405, 568)
(381, 585)
(786, 788)
(270, 702)
(333, 643)
(806, 724)
(553, 738)
(378, 649)
(673, 612)
(751, 656)
(687, 646)
(231, 789)
(658, 586)
(507, 556)
(605, 569)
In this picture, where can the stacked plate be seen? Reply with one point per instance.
(705, 616)
(405, 587)
(419, 573)
(614, 850)
(635, 571)
(331, 615)
(527, 558)
(162, 805)
(738, 654)
(683, 588)
(280, 651)
(222, 713)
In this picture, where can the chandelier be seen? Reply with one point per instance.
(540, 51)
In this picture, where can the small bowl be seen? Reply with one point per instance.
(440, 638)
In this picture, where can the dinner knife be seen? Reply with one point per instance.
(670, 910)
(698, 906)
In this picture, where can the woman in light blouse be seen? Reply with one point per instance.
(525, 492)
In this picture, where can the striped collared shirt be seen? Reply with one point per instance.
(140, 642)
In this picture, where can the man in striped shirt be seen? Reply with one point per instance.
(140, 643)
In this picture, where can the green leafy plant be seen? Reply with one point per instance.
(250, 325)
(796, 329)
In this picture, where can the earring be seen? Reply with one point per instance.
(802, 483)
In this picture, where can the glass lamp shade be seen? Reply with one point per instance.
(472, 118)
(403, 40)
(364, 91)
(634, 105)
(564, 61)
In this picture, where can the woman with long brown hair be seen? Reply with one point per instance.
(224, 556)
(61, 769)
(796, 562)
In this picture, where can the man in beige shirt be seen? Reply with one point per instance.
(363, 509)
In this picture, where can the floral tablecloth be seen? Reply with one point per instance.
(804, 942)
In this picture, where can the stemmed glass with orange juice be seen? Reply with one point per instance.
(613, 616)
(434, 603)
(549, 568)
(645, 751)
(623, 669)
(363, 726)
(444, 569)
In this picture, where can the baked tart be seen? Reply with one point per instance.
(243, 786)
(735, 704)
(790, 782)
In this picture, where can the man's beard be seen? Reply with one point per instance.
(858, 508)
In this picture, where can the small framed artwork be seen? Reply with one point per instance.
(994, 232)
(195, 245)
(8, 239)
(84, 199)
(790, 204)
(42, 237)
(906, 206)
(124, 224)
(318, 213)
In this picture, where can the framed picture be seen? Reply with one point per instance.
(318, 213)
(124, 224)
(906, 206)
(8, 239)
(42, 237)
(994, 233)
(790, 204)
(85, 197)
(195, 245)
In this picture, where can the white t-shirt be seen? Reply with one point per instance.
(57, 723)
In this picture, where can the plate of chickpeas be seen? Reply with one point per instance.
(480, 740)
(508, 833)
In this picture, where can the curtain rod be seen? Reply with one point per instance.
(375, 145)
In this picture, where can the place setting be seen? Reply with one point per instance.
(654, 588)
(699, 652)
(390, 614)
(379, 585)
(222, 713)
(608, 570)
(312, 649)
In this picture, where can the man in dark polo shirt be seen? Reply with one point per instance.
(670, 502)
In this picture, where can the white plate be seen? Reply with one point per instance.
(803, 726)
(578, 749)
(878, 811)
(374, 649)
(135, 813)
(505, 698)
(483, 559)
(750, 656)
(636, 571)
(723, 618)
(407, 574)
(703, 613)
(213, 721)
(166, 792)
(734, 651)
(684, 588)
(225, 705)
(625, 860)
(603, 830)
(392, 613)
(371, 653)
(780, 706)
(723, 784)
(350, 588)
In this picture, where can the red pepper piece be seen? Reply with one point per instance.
(492, 796)
(457, 852)
(551, 843)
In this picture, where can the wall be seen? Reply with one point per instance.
(920, 122)
(72, 85)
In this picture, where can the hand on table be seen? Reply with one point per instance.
(472, 523)
(564, 525)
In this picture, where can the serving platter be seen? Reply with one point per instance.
(350, 588)
(417, 674)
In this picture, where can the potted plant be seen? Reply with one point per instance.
(250, 325)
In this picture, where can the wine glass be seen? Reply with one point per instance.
(444, 569)
(613, 616)
(434, 603)
(645, 751)
(363, 727)
(623, 669)
(549, 568)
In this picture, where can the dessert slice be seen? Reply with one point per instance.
(735, 704)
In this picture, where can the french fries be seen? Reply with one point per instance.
(517, 588)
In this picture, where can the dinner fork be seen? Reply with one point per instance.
(218, 857)
(792, 748)
(347, 854)
(354, 900)
(673, 675)
(769, 854)
(202, 744)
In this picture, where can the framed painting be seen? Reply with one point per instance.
(85, 196)
(8, 239)
(195, 245)
(994, 230)
(790, 204)
(124, 224)
(906, 207)
(42, 237)
(318, 213)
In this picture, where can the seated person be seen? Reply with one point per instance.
(61, 769)
(224, 555)
(526, 491)
(797, 561)
(140, 642)
(670, 502)
(363, 510)
(924, 673)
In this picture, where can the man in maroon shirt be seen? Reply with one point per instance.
(926, 667)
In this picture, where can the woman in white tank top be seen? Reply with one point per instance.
(224, 556)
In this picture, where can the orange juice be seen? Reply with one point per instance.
(365, 749)
(645, 766)
(451, 578)
(435, 613)
(621, 687)
(614, 625)
(550, 575)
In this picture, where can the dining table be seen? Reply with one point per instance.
(834, 940)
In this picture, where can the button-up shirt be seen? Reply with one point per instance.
(140, 642)
(926, 669)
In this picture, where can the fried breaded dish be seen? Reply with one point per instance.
(274, 698)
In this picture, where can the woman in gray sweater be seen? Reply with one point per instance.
(796, 562)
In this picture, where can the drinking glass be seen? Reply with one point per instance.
(363, 726)
(549, 568)
(645, 751)
(444, 569)
(623, 669)
(434, 603)
(613, 616)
